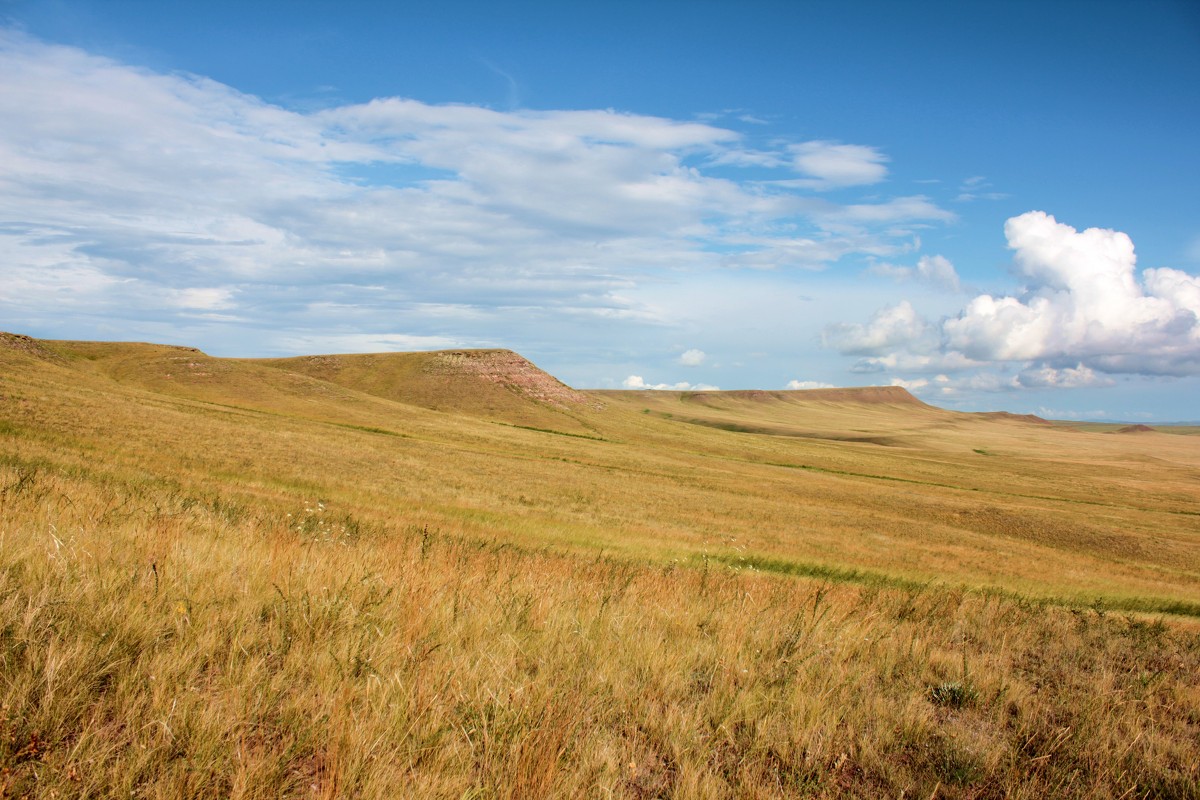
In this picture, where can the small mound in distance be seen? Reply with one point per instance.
(19, 346)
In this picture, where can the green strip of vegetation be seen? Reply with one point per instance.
(556, 433)
(807, 570)
(828, 471)
(1147, 605)
(779, 566)
(369, 429)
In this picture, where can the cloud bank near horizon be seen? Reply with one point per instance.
(638, 382)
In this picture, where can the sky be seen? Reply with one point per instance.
(992, 204)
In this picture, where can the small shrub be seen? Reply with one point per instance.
(956, 694)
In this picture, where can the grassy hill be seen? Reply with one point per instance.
(450, 572)
(493, 384)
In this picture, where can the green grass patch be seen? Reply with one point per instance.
(780, 566)
(893, 479)
(556, 433)
(370, 429)
(1142, 605)
(808, 570)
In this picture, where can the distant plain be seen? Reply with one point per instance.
(332, 575)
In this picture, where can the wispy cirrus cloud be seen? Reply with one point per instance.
(818, 165)
(977, 187)
(170, 205)
(831, 165)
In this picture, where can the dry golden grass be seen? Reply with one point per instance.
(255, 583)
(163, 645)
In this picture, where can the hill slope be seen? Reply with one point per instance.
(857, 479)
(230, 578)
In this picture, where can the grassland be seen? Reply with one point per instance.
(449, 576)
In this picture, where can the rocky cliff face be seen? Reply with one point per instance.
(27, 345)
(506, 368)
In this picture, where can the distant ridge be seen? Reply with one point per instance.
(1034, 418)
(495, 384)
(861, 395)
(888, 395)
(862, 415)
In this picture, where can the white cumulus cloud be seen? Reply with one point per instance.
(1084, 304)
(1085, 314)
(935, 270)
(801, 385)
(895, 327)
(1066, 378)
(832, 165)
(692, 358)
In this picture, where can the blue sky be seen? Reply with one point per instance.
(992, 204)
